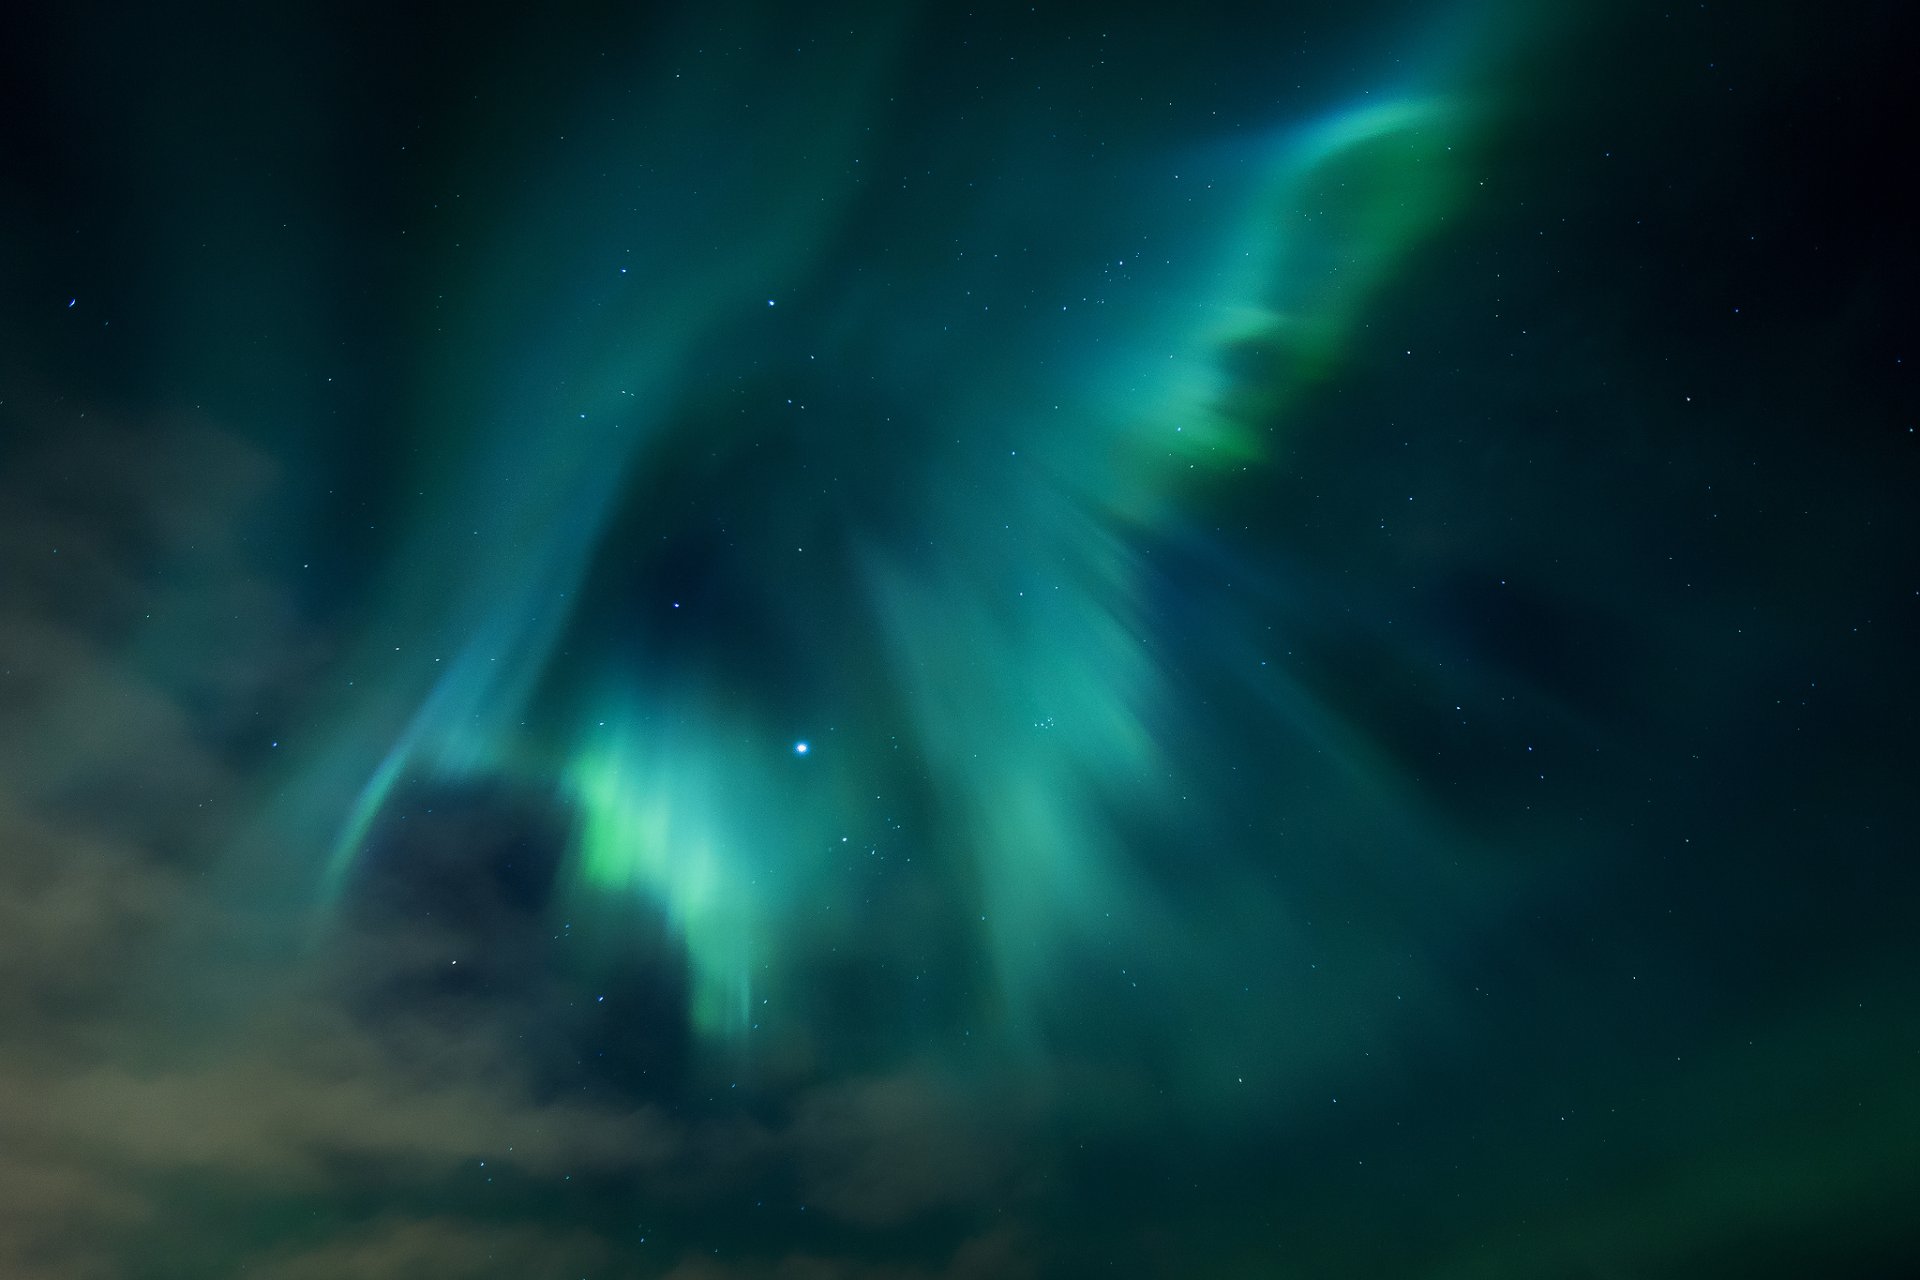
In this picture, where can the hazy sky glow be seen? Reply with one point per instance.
(762, 641)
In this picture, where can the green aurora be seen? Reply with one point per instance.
(752, 640)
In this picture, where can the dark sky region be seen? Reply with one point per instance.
(958, 641)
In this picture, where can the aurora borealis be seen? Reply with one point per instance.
(749, 640)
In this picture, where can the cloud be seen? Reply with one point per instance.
(60, 1221)
(1001, 1253)
(151, 1039)
(882, 1150)
(281, 1123)
(446, 1248)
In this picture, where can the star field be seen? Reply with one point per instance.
(932, 641)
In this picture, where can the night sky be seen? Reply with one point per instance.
(957, 641)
